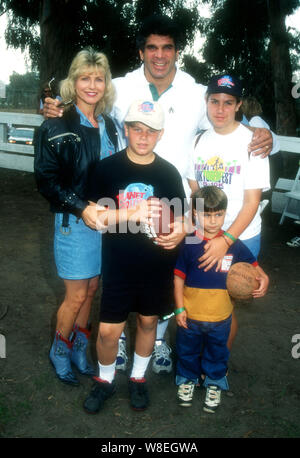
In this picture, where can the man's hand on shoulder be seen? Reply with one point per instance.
(262, 142)
(51, 108)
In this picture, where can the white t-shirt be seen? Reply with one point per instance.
(257, 121)
(223, 161)
(184, 108)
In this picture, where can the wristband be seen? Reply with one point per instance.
(230, 236)
(177, 311)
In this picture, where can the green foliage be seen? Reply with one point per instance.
(28, 81)
(23, 90)
(108, 25)
(238, 37)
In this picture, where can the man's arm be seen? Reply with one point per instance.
(262, 141)
(51, 108)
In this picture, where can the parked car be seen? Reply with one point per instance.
(21, 135)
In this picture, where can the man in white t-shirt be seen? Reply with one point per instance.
(183, 101)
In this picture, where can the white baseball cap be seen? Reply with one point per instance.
(148, 112)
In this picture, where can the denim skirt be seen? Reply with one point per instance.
(77, 249)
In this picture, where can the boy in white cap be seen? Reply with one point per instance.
(137, 274)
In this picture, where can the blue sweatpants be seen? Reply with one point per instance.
(202, 349)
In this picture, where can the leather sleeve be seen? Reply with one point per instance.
(50, 150)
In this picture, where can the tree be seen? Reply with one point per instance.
(22, 90)
(281, 66)
(68, 25)
(249, 39)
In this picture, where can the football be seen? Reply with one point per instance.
(160, 222)
(241, 281)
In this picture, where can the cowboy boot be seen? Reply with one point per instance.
(60, 357)
(78, 354)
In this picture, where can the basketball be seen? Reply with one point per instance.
(161, 222)
(241, 281)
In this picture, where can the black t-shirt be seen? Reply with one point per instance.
(132, 258)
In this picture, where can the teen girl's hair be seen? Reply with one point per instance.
(251, 107)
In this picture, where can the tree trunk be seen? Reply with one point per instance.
(282, 71)
(56, 30)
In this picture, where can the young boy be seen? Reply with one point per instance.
(203, 305)
(137, 275)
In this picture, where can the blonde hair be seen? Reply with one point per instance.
(89, 60)
(251, 107)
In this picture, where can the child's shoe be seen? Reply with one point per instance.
(162, 362)
(139, 398)
(212, 399)
(101, 391)
(185, 394)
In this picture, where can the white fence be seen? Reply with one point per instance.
(20, 157)
(14, 156)
(283, 185)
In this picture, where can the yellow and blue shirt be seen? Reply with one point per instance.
(205, 294)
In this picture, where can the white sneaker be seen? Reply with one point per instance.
(294, 243)
(122, 357)
(212, 399)
(162, 362)
(185, 394)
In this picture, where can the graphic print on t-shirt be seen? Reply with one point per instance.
(215, 171)
(133, 194)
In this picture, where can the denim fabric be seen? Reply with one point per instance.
(222, 383)
(202, 349)
(253, 245)
(107, 148)
(77, 249)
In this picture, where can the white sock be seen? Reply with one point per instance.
(123, 336)
(107, 372)
(161, 329)
(140, 364)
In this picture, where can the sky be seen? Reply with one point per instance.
(15, 61)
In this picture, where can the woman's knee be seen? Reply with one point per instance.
(76, 295)
(93, 286)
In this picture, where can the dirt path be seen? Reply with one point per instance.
(263, 375)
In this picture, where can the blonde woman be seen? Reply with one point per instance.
(65, 149)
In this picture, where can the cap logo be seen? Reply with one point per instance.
(226, 81)
(146, 107)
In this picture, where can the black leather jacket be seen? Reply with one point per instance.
(64, 152)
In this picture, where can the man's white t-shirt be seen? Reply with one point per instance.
(184, 108)
(224, 161)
